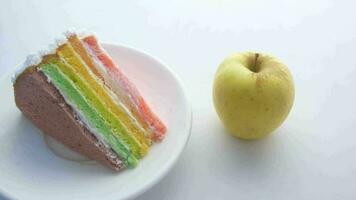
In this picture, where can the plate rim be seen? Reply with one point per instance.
(163, 172)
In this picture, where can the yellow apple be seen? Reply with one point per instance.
(253, 94)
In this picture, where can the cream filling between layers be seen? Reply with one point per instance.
(83, 121)
(35, 58)
(108, 79)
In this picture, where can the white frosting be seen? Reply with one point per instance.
(36, 58)
(31, 60)
(80, 33)
(60, 40)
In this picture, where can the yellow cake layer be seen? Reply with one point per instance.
(50, 66)
(77, 45)
(113, 112)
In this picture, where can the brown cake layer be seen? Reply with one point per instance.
(41, 102)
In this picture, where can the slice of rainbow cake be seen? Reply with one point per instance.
(75, 93)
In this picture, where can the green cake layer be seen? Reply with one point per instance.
(96, 103)
(108, 119)
(74, 95)
(96, 93)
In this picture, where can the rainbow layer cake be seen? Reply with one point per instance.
(75, 93)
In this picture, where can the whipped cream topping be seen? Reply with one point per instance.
(36, 58)
(32, 59)
(79, 33)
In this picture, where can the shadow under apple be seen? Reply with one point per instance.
(251, 162)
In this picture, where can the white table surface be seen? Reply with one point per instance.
(311, 156)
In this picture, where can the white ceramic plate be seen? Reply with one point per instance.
(30, 170)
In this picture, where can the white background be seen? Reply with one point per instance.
(311, 156)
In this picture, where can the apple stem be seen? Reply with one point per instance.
(254, 68)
